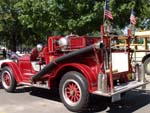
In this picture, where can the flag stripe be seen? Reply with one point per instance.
(107, 12)
(132, 18)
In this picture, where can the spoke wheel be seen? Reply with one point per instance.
(8, 81)
(73, 90)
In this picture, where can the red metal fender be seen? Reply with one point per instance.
(84, 69)
(15, 70)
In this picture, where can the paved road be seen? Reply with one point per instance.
(34, 100)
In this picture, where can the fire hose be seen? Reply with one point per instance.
(52, 65)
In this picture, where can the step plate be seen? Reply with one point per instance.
(122, 88)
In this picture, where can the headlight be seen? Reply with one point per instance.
(63, 42)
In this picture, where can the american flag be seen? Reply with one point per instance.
(132, 18)
(107, 12)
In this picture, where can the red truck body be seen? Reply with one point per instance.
(78, 66)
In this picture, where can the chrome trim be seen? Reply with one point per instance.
(102, 83)
(122, 88)
(45, 86)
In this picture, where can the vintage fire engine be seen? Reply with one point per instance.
(78, 66)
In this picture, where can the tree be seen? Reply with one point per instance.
(30, 21)
(122, 10)
(53, 17)
(34, 16)
(10, 27)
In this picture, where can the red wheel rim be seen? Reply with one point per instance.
(72, 92)
(7, 79)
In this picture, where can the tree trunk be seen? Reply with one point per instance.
(13, 43)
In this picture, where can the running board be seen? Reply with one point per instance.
(45, 86)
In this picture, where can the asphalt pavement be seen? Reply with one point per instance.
(36, 100)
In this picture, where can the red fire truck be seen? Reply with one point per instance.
(78, 66)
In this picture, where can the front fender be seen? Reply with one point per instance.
(15, 69)
(145, 57)
(84, 69)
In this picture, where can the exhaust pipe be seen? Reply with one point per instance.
(52, 65)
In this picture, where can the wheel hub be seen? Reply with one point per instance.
(72, 92)
(7, 79)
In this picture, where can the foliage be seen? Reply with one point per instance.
(30, 21)
(10, 27)
(53, 17)
(123, 10)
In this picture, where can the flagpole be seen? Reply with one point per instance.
(102, 26)
(104, 12)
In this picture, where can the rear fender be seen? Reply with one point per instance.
(84, 69)
(15, 69)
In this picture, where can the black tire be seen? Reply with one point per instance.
(8, 80)
(147, 66)
(73, 90)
